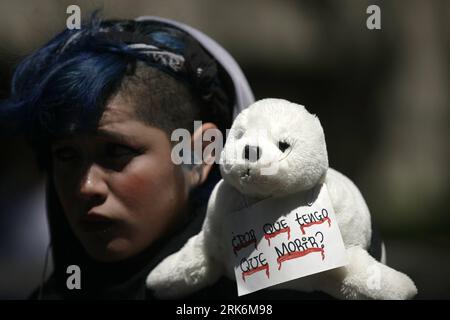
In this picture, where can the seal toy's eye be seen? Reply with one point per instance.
(283, 146)
(239, 133)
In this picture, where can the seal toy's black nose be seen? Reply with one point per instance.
(252, 153)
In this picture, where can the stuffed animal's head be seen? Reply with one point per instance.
(274, 147)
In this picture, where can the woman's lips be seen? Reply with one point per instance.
(97, 223)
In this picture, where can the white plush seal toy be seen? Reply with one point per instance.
(296, 142)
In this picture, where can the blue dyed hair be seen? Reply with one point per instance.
(63, 87)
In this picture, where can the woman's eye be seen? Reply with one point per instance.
(65, 154)
(283, 146)
(118, 151)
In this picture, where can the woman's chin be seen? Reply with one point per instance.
(112, 251)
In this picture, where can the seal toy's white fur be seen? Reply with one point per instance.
(294, 144)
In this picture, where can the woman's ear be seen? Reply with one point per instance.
(206, 159)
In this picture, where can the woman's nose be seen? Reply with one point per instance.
(93, 186)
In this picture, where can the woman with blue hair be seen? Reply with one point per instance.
(98, 106)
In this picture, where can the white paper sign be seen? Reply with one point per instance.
(282, 239)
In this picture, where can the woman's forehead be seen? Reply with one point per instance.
(118, 122)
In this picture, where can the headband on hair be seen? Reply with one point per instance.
(165, 47)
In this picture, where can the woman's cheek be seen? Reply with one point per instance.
(151, 197)
(66, 185)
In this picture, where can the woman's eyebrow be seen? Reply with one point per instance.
(113, 135)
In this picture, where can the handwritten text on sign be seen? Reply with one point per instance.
(282, 239)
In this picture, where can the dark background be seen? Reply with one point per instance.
(382, 97)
